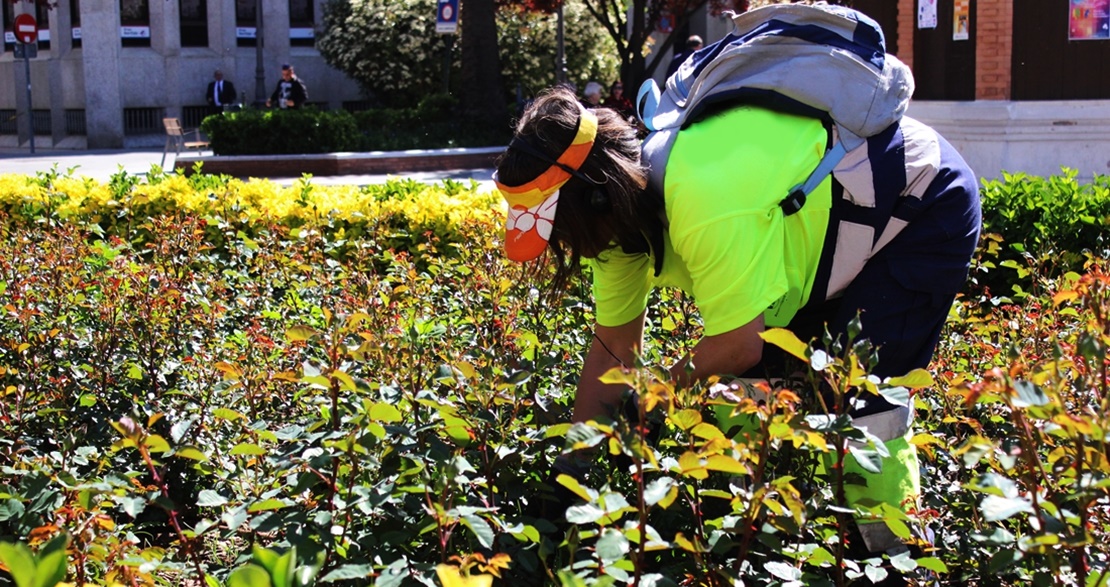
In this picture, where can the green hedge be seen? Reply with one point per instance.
(1046, 224)
(432, 124)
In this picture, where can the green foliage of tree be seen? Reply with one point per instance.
(391, 48)
(528, 49)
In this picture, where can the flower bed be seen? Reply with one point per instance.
(210, 381)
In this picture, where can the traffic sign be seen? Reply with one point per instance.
(26, 30)
(447, 16)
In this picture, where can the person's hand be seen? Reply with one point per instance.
(267, 103)
(289, 103)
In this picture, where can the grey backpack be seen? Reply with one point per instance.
(824, 61)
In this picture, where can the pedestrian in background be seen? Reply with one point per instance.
(290, 91)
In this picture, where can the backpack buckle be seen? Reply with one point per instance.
(793, 202)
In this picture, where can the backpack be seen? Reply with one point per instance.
(823, 61)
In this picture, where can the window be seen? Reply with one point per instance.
(7, 15)
(75, 22)
(134, 23)
(42, 19)
(245, 24)
(302, 24)
(194, 23)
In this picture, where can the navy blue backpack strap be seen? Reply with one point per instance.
(797, 196)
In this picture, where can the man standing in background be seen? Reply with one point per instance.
(220, 93)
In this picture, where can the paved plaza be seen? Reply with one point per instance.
(102, 164)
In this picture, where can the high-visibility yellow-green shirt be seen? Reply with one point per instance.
(729, 243)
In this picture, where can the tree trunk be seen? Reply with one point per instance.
(482, 97)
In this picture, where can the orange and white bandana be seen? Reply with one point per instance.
(532, 205)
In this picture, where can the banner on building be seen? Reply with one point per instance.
(1088, 20)
(961, 20)
(926, 14)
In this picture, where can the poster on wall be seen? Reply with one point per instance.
(1088, 20)
(926, 14)
(961, 20)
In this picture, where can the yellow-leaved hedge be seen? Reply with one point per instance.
(452, 211)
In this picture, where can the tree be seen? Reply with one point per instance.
(390, 47)
(527, 39)
(484, 95)
(631, 29)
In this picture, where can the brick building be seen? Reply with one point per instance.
(1015, 85)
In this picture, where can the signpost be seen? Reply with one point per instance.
(447, 23)
(27, 33)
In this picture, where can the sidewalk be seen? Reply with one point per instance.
(102, 164)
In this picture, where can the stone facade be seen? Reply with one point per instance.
(100, 81)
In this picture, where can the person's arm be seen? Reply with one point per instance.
(209, 94)
(274, 96)
(302, 93)
(728, 353)
(611, 346)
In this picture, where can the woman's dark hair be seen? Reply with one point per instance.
(634, 220)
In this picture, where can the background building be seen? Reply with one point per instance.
(108, 71)
(1015, 85)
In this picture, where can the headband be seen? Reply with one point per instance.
(532, 205)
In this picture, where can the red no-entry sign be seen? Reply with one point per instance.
(26, 30)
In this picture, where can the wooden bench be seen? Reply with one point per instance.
(177, 137)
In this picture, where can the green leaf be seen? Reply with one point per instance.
(783, 571)
(787, 341)
(567, 578)
(899, 396)
(227, 414)
(348, 572)
(250, 575)
(868, 459)
(686, 419)
(264, 557)
(915, 379)
(707, 431)
(933, 564)
(382, 412)
(282, 571)
(208, 498)
(1029, 394)
(612, 545)
(657, 490)
(299, 334)
(133, 506)
(996, 507)
(247, 448)
(266, 505)
(481, 529)
(586, 513)
(903, 561)
(191, 452)
(458, 430)
(1004, 559)
(20, 562)
(52, 562)
(726, 464)
(875, 573)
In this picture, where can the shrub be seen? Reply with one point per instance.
(1045, 223)
(277, 132)
(208, 381)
